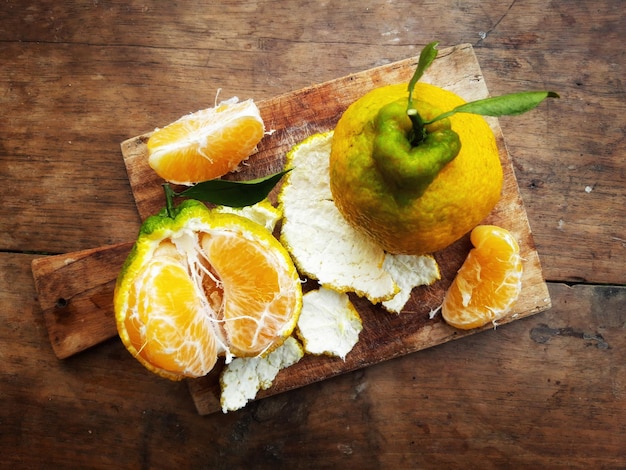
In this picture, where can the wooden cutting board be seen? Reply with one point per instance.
(75, 290)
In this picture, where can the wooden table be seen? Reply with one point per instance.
(548, 391)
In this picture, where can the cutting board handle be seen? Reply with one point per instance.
(75, 292)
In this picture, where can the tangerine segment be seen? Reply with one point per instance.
(488, 283)
(259, 299)
(206, 144)
(164, 322)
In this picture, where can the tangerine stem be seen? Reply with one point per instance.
(169, 200)
(427, 56)
(418, 133)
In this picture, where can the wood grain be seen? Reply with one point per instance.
(548, 391)
(142, 74)
(519, 396)
(75, 292)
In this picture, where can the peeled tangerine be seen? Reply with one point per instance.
(204, 284)
(488, 283)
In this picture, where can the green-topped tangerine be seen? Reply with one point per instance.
(198, 284)
(413, 199)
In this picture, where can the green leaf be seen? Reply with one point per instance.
(233, 193)
(170, 210)
(505, 105)
(427, 56)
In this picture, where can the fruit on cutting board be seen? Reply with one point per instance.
(489, 282)
(415, 168)
(200, 283)
(406, 172)
(206, 144)
(384, 187)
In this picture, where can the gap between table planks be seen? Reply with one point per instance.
(75, 290)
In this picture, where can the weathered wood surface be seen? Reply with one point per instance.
(75, 292)
(70, 100)
(75, 289)
(546, 391)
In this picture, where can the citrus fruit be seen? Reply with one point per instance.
(206, 144)
(202, 284)
(489, 281)
(461, 194)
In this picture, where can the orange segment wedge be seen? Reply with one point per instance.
(206, 144)
(489, 282)
(258, 300)
(164, 327)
